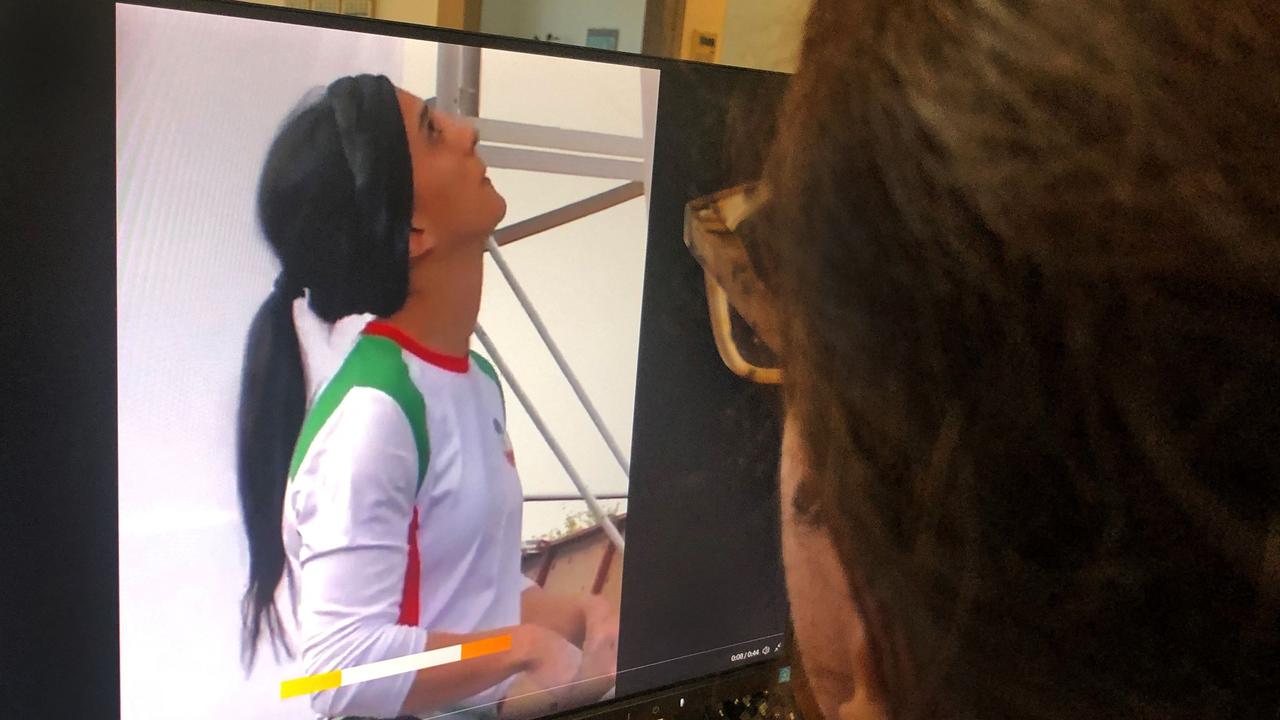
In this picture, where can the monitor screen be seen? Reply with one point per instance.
(335, 499)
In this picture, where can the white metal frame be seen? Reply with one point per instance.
(540, 148)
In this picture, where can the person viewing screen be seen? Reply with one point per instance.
(1017, 267)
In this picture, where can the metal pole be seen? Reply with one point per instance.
(568, 213)
(565, 497)
(448, 77)
(458, 80)
(469, 82)
(559, 358)
(592, 504)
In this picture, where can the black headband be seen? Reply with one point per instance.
(374, 273)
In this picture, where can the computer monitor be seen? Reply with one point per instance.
(587, 464)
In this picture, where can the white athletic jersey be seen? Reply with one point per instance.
(402, 514)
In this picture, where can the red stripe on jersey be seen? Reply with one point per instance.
(412, 576)
(452, 363)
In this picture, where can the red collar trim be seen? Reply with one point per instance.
(452, 363)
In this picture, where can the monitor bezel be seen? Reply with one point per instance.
(431, 33)
(701, 689)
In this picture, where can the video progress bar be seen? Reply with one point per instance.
(395, 666)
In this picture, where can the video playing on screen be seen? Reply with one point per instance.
(387, 313)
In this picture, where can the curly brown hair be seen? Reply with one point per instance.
(1028, 255)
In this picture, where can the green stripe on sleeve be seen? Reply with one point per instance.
(377, 363)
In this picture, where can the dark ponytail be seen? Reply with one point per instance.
(272, 404)
(334, 202)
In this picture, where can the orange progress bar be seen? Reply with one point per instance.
(487, 646)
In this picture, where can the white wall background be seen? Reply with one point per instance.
(569, 20)
(199, 99)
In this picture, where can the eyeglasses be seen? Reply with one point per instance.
(744, 322)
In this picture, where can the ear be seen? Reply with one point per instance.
(865, 703)
(861, 707)
(421, 242)
(830, 631)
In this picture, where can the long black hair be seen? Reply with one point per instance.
(334, 202)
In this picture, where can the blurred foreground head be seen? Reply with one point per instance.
(1028, 261)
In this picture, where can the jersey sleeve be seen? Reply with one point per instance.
(354, 500)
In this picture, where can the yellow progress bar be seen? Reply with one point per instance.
(310, 684)
(395, 666)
